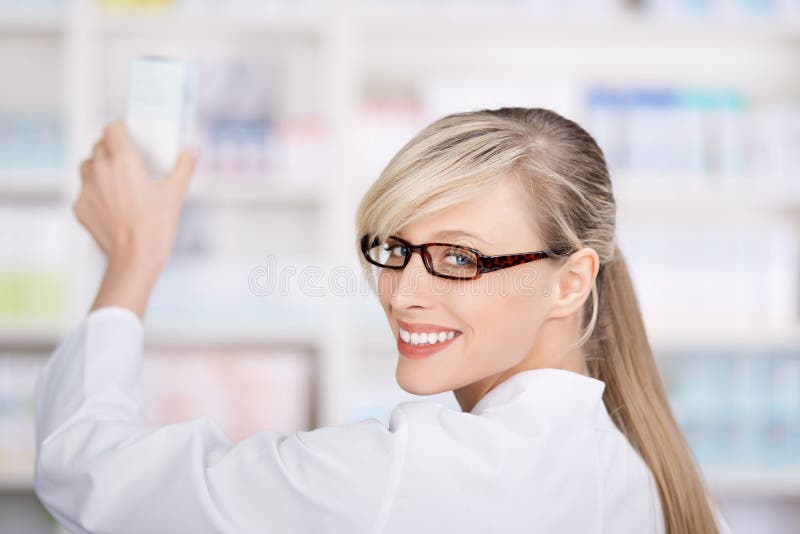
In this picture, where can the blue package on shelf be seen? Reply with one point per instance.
(240, 146)
(738, 407)
(31, 143)
(606, 121)
(653, 134)
(780, 432)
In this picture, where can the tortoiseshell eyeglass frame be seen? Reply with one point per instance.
(486, 264)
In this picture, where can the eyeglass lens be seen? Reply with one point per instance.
(446, 260)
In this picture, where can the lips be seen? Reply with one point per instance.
(423, 350)
(423, 328)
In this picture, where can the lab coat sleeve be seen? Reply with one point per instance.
(101, 468)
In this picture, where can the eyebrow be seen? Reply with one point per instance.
(457, 233)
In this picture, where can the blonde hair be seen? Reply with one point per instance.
(561, 166)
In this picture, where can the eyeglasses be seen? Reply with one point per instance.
(455, 262)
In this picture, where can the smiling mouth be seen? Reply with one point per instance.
(423, 339)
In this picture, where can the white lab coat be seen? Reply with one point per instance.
(537, 454)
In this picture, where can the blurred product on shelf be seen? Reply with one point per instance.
(244, 389)
(248, 143)
(238, 147)
(232, 298)
(137, 5)
(239, 102)
(722, 11)
(305, 148)
(33, 282)
(386, 119)
(715, 135)
(239, 105)
(673, 137)
(32, 4)
(719, 10)
(17, 381)
(702, 279)
(738, 407)
(253, 143)
(212, 229)
(196, 5)
(31, 147)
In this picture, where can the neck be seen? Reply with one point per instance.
(551, 350)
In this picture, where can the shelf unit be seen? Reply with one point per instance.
(360, 45)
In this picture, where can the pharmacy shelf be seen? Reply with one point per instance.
(661, 343)
(190, 22)
(361, 44)
(157, 335)
(30, 337)
(754, 482)
(266, 193)
(442, 22)
(16, 483)
(671, 192)
(27, 19)
(44, 340)
(683, 339)
(673, 333)
(30, 185)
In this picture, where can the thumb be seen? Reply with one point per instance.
(183, 169)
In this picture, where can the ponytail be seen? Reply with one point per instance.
(619, 354)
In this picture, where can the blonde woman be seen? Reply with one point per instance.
(489, 239)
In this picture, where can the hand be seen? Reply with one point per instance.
(130, 215)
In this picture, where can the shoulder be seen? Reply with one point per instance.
(632, 500)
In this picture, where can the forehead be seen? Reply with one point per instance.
(497, 219)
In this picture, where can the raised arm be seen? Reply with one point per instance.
(132, 217)
(101, 468)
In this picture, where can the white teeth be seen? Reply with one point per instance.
(426, 338)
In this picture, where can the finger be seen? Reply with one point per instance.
(116, 137)
(120, 143)
(100, 150)
(84, 218)
(77, 208)
(183, 170)
(86, 169)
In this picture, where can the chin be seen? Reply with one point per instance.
(417, 381)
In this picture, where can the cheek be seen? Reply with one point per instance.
(502, 318)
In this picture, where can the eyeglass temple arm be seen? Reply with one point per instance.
(493, 263)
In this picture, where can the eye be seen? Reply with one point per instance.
(459, 258)
(395, 249)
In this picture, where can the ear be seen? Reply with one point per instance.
(573, 282)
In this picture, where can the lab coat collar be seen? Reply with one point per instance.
(546, 386)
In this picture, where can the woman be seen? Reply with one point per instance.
(490, 241)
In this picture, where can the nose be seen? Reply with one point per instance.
(412, 286)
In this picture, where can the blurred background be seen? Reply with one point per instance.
(696, 104)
